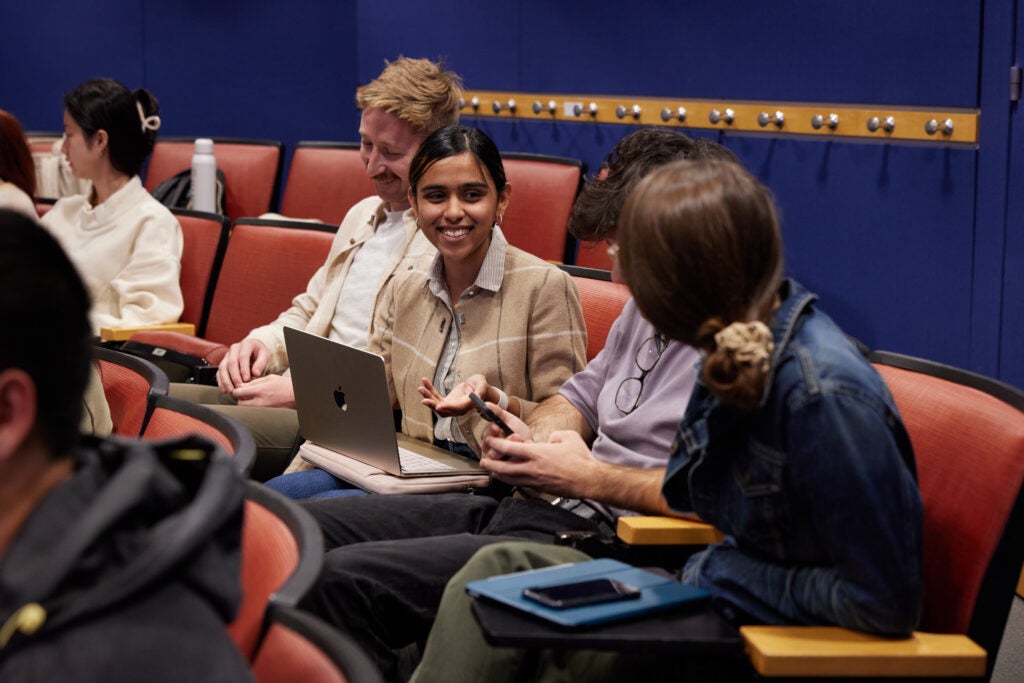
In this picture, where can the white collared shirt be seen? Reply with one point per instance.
(351, 323)
(491, 271)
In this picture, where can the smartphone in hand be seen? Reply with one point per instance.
(489, 414)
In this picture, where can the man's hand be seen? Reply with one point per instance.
(520, 431)
(244, 361)
(272, 391)
(457, 402)
(564, 466)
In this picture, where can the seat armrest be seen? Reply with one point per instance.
(815, 651)
(124, 333)
(210, 351)
(666, 531)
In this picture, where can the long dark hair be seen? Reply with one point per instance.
(104, 104)
(454, 140)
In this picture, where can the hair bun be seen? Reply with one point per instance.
(747, 343)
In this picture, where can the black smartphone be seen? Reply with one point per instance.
(581, 593)
(489, 414)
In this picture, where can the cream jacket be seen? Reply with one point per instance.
(128, 251)
(313, 310)
(526, 338)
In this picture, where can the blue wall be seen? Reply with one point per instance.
(913, 248)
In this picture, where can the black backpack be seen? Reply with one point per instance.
(176, 191)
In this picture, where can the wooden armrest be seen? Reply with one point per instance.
(833, 651)
(666, 531)
(123, 333)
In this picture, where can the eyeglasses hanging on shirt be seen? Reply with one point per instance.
(627, 398)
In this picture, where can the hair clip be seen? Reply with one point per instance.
(148, 122)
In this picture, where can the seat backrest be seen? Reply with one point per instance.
(252, 170)
(173, 416)
(325, 180)
(42, 141)
(205, 239)
(967, 432)
(602, 301)
(543, 191)
(282, 554)
(43, 205)
(300, 647)
(266, 264)
(593, 255)
(131, 386)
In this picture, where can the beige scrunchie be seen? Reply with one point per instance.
(747, 343)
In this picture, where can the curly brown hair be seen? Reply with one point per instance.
(595, 215)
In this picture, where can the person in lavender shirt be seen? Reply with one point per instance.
(596, 450)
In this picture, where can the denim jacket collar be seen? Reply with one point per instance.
(693, 434)
(795, 300)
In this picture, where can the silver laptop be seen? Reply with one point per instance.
(341, 395)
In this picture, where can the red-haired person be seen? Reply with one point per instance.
(17, 172)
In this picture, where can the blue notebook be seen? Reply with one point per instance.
(657, 592)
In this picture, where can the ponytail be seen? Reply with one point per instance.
(738, 361)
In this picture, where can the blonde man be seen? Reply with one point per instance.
(409, 100)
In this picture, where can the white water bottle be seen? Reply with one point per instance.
(204, 177)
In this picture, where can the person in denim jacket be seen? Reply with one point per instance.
(791, 444)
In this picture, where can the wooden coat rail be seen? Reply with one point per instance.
(879, 122)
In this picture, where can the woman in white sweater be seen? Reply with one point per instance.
(126, 245)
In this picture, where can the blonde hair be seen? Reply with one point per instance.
(418, 91)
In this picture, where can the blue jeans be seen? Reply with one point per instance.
(315, 483)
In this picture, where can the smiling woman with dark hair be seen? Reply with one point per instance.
(474, 315)
(126, 245)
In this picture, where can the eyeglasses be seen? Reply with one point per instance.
(627, 398)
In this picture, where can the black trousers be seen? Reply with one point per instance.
(389, 557)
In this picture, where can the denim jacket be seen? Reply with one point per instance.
(815, 491)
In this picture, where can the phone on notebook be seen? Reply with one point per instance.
(581, 593)
(489, 414)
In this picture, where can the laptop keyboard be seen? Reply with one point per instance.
(414, 462)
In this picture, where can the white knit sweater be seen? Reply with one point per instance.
(128, 251)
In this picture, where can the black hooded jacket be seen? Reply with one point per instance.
(129, 570)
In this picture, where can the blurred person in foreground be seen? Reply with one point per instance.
(119, 560)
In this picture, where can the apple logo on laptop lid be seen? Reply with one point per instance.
(339, 399)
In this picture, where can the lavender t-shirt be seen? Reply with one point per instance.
(641, 438)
